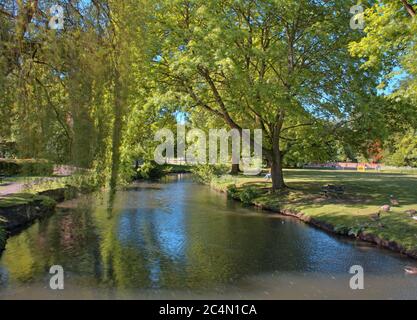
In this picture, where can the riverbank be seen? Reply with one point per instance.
(37, 201)
(352, 214)
(210, 248)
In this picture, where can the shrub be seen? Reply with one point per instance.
(356, 230)
(9, 168)
(70, 192)
(341, 229)
(150, 170)
(37, 168)
(46, 202)
(248, 195)
(232, 191)
(206, 173)
(27, 167)
(177, 168)
(85, 183)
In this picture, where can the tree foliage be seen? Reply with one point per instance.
(280, 66)
(94, 93)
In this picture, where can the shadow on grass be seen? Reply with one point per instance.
(362, 189)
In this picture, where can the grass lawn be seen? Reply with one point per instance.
(365, 194)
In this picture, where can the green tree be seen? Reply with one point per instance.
(389, 48)
(402, 150)
(274, 65)
(66, 94)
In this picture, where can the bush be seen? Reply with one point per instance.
(232, 191)
(46, 202)
(150, 170)
(177, 168)
(206, 173)
(70, 193)
(248, 195)
(9, 168)
(85, 183)
(37, 168)
(27, 167)
(341, 229)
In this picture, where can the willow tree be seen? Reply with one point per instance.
(274, 65)
(53, 79)
(127, 51)
(65, 93)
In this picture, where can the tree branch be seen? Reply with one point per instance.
(3, 11)
(409, 8)
(201, 103)
(219, 100)
(297, 126)
(48, 98)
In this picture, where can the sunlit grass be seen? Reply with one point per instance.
(364, 196)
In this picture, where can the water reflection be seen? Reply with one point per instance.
(177, 236)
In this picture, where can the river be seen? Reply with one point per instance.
(176, 239)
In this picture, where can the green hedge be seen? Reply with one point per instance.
(27, 167)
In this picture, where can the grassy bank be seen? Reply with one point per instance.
(24, 199)
(19, 210)
(42, 189)
(351, 213)
(38, 199)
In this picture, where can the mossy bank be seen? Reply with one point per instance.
(18, 211)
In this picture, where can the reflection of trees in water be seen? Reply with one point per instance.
(227, 246)
(193, 241)
(66, 239)
(22, 264)
(134, 250)
(231, 248)
(192, 247)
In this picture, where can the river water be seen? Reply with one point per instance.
(176, 239)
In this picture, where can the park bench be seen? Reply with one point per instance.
(331, 191)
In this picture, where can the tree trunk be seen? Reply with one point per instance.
(277, 173)
(235, 170)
